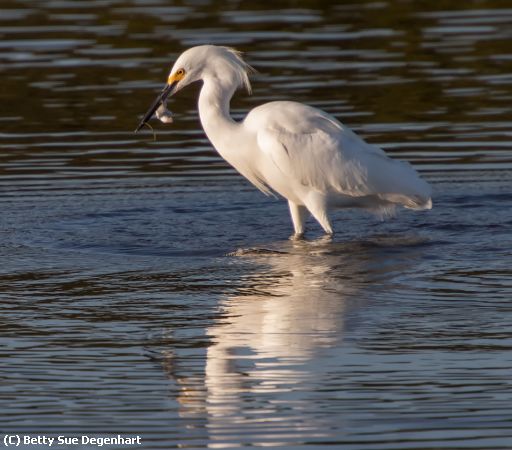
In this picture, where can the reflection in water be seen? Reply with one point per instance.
(272, 334)
(295, 307)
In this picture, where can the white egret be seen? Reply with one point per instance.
(300, 152)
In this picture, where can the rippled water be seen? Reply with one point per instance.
(145, 288)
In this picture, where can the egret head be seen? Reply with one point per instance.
(222, 64)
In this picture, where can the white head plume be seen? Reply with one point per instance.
(223, 63)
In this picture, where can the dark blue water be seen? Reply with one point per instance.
(146, 289)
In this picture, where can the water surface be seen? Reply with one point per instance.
(146, 288)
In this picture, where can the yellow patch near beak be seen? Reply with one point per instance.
(176, 76)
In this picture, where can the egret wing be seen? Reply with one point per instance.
(312, 148)
(324, 156)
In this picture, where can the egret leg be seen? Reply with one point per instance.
(299, 214)
(318, 210)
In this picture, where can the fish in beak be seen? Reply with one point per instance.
(160, 101)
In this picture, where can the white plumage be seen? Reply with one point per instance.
(298, 151)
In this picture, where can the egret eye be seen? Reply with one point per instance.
(180, 72)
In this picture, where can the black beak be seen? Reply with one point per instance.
(166, 92)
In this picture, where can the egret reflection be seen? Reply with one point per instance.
(270, 332)
(279, 334)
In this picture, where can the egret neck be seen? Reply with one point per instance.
(218, 125)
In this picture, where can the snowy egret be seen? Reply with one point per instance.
(300, 152)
